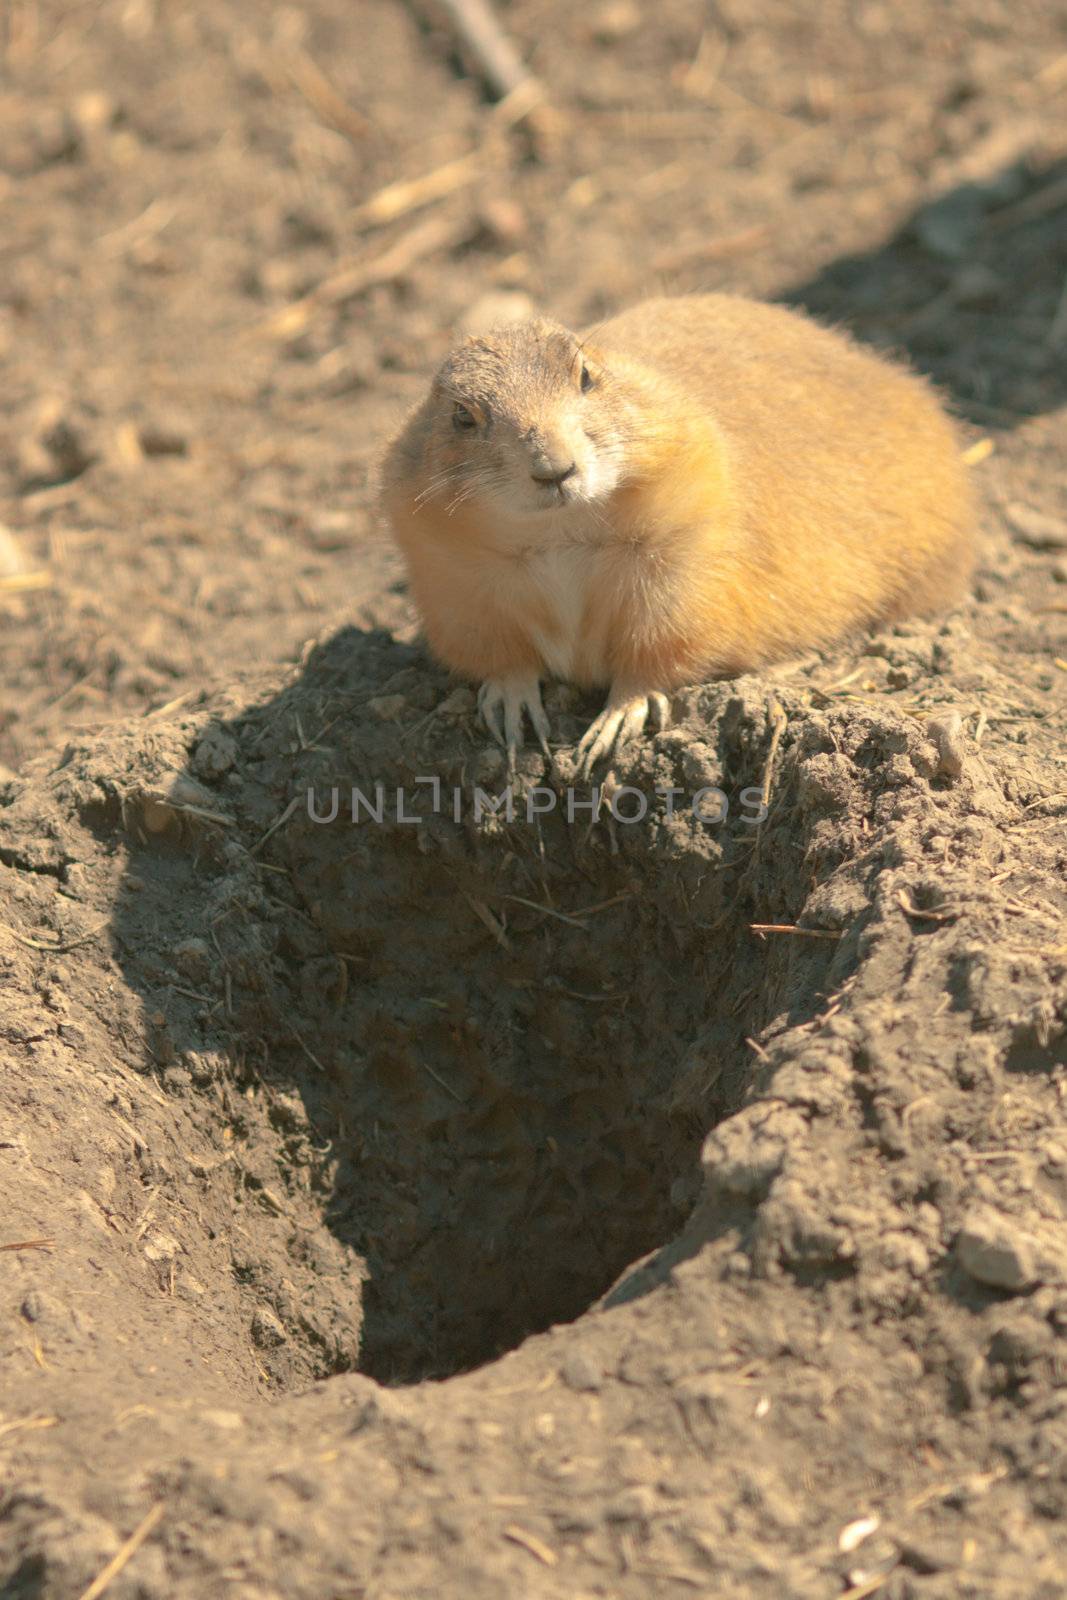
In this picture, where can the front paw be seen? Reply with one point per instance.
(501, 704)
(622, 719)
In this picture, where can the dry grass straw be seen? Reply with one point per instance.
(124, 1555)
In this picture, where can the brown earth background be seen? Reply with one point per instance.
(478, 1209)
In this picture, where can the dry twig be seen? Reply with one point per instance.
(59, 947)
(27, 1422)
(484, 915)
(396, 199)
(485, 41)
(307, 76)
(124, 1554)
(779, 723)
(529, 1541)
(355, 277)
(945, 915)
(981, 450)
(21, 582)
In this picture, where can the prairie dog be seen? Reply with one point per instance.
(695, 488)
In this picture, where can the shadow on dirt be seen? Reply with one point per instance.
(482, 1054)
(974, 288)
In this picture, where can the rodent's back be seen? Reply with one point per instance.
(849, 482)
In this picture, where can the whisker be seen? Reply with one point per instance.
(476, 481)
(439, 481)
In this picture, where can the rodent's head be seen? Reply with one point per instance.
(522, 420)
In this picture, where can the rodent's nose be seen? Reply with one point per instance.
(557, 478)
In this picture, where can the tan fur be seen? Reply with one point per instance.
(771, 487)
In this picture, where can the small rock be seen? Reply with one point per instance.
(215, 754)
(388, 707)
(166, 436)
(1059, 572)
(581, 1373)
(947, 733)
(994, 1251)
(331, 530)
(230, 1421)
(156, 816)
(266, 1329)
(1038, 529)
(1019, 1343)
(53, 448)
(204, 1068)
(42, 1306)
(183, 790)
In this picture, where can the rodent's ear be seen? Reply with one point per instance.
(587, 369)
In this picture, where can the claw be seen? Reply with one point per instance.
(512, 697)
(623, 718)
(489, 703)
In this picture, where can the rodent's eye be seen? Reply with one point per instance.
(462, 419)
(585, 379)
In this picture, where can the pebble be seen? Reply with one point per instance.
(947, 733)
(192, 957)
(581, 1373)
(266, 1329)
(215, 754)
(994, 1251)
(53, 448)
(164, 436)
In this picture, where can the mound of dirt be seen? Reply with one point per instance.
(324, 1064)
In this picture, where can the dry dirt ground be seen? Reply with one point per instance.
(477, 1207)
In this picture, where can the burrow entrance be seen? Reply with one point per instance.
(505, 1041)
